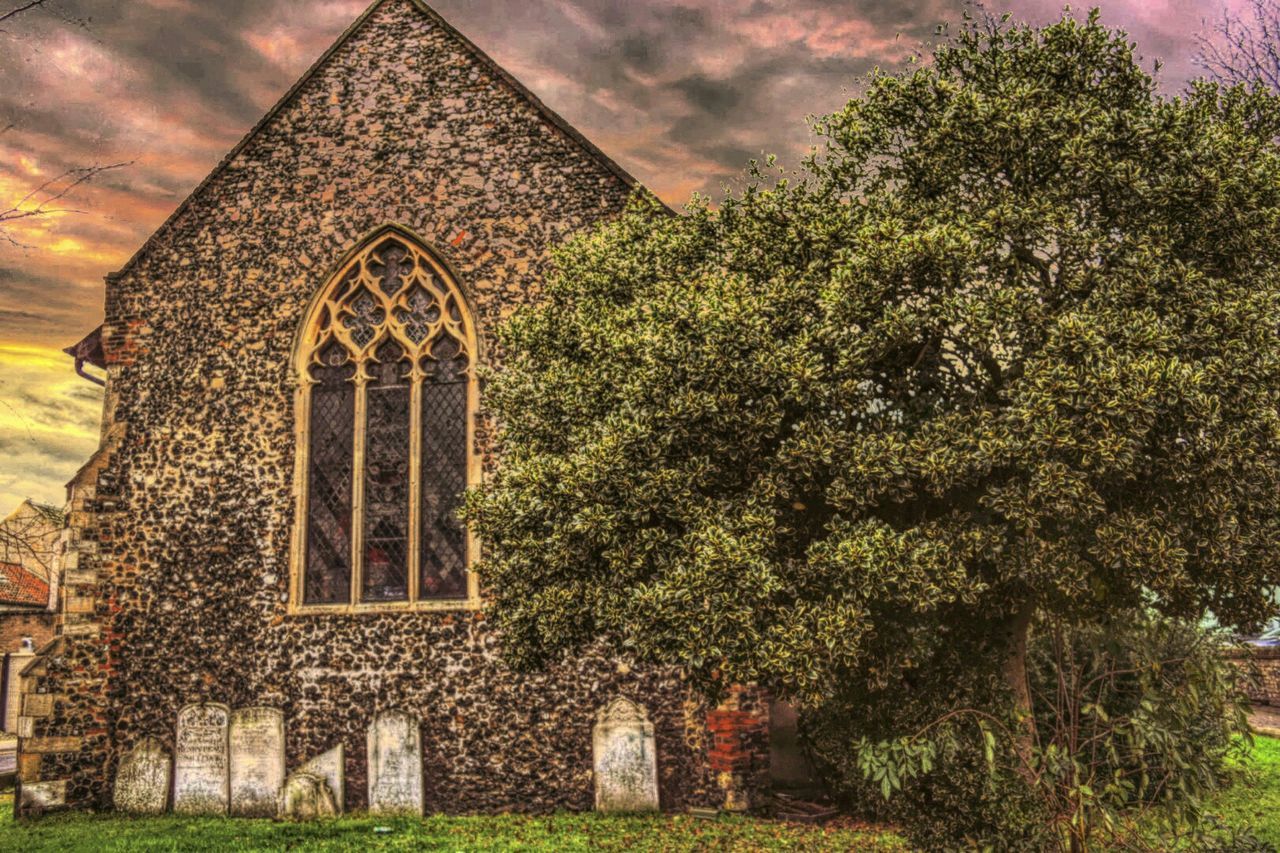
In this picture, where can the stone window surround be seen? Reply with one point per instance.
(305, 345)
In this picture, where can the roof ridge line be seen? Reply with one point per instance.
(505, 76)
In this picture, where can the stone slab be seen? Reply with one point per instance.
(395, 764)
(40, 796)
(306, 796)
(201, 772)
(69, 743)
(143, 778)
(256, 743)
(37, 704)
(330, 766)
(624, 758)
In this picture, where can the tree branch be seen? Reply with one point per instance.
(13, 13)
(1240, 50)
(42, 201)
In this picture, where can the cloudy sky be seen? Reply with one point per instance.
(680, 92)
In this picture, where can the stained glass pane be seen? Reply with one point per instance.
(391, 263)
(386, 477)
(327, 578)
(364, 317)
(443, 541)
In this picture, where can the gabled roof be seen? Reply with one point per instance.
(49, 512)
(21, 587)
(483, 58)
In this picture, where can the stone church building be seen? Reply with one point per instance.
(293, 408)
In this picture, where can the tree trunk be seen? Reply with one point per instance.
(1015, 675)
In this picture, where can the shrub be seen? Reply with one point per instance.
(1136, 713)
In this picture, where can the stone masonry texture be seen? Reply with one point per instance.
(184, 547)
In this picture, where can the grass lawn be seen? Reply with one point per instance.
(505, 832)
(1252, 803)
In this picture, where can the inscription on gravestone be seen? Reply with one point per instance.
(200, 772)
(257, 760)
(626, 766)
(395, 764)
(142, 779)
(330, 765)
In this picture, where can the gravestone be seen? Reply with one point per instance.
(37, 797)
(306, 796)
(626, 765)
(330, 766)
(257, 760)
(142, 779)
(395, 764)
(201, 782)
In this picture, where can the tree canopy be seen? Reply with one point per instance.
(1008, 343)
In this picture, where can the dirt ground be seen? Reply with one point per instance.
(1265, 719)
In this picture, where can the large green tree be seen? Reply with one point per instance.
(1008, 343)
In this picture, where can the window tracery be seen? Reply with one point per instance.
(386, 392)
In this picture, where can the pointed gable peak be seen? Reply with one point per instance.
(504, 77)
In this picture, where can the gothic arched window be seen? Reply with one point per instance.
(386, 392)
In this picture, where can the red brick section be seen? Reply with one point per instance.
(19, 586)
(14, 626)
(1259, 672)
(738, 752)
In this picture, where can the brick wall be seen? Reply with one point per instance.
(738, 751)
(1261, 668)
(14, 626)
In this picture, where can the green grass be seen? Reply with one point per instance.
(1253, 802)
(502, 832)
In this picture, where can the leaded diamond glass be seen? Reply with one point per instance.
(390, 264)
(386, 477)
(443, 554)
(420, 314)
(327, 563)
(365, 317)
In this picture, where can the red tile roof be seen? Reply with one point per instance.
(19, 586)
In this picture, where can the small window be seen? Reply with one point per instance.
(386, 394)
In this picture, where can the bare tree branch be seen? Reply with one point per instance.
(28, 537)
(28, 5)
(43, 200)
(13, 13)
(1244, 48)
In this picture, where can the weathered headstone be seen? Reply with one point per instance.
(395, 764)
(306, 796)
(626, 765)
(201, 782)
(257, 760)
(330, 766)
(142, 779)
(37, 797)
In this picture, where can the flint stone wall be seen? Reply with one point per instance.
(190, 564)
